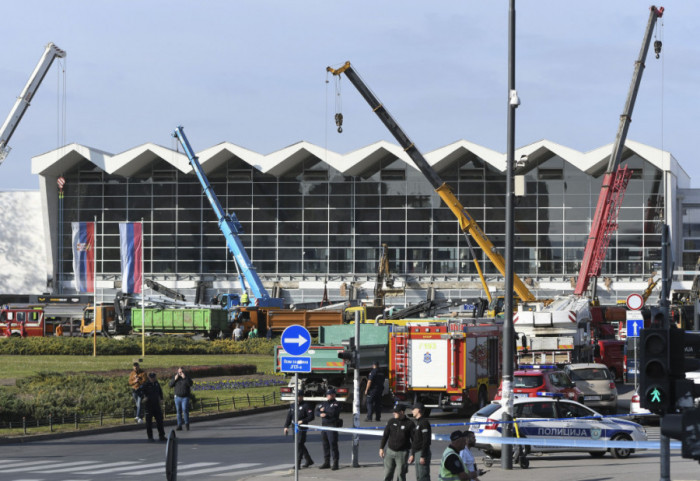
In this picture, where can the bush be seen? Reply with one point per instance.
(78, 346)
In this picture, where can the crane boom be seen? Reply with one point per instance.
(615, 180)
(466, 221)
(231, 228)
(20, 107)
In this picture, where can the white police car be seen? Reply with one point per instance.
(556, 419)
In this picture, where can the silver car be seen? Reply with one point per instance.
(597, 383)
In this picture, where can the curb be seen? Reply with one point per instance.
(28, 438)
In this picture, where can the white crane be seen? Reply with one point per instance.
(20, 107)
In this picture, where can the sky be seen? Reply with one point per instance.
(252, 72)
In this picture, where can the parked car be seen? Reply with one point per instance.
(597, 383)
(555, 419)
(533, 379)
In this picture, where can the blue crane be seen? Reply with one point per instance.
(231, 228)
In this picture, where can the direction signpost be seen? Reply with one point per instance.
(295, 342)
(635, 324)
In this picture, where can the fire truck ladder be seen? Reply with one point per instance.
(400, 361)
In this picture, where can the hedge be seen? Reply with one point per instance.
(78, 346)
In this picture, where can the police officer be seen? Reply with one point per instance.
(452, 467)
(397, 441)
(329, 411)
(420, 446)
(374, 391)
(305, 416)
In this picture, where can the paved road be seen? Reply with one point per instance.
(253, 446)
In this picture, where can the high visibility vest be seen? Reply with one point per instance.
(244, 298)
(446, 474)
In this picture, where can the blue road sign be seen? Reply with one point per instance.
(296, 340)
(295, 364)
(634, 327)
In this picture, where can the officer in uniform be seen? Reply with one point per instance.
(452, 468)
(305, 416)
(420, 446)
(397, 441)
(329, 411)
(374, 391)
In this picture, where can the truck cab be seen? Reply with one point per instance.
(105, 321)
(24, 322)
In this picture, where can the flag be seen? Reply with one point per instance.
(84, 256)
(131, 253)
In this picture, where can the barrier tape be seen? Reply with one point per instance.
(537, 442)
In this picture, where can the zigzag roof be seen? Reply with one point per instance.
(353, 163)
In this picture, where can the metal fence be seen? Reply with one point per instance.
(82, 420)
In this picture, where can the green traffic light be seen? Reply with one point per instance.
(654, 396)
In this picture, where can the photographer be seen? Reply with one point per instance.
(181, 385)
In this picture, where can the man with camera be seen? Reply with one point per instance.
(181, 385)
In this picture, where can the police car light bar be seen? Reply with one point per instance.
(550, 394)
(537, 366)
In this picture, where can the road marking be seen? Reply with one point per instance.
(182, 472)
(57, 465)
(125, 468)
(162, 468)
(257, 470)
(85, 468)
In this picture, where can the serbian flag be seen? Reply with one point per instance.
(84, 256)
(131, 253)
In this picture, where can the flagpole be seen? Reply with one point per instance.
(143, 302)
(94, 290)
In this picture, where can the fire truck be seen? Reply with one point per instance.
(25, 322)
(453, 365)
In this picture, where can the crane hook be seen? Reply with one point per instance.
(339, 122)
(657, 47)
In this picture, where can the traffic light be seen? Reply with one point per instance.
(684, 427)
(655, 388)
(349, 354)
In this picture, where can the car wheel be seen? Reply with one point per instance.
(621, 453)
(597, 454)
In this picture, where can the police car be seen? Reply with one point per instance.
(557, 419)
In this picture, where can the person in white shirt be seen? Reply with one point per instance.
(468, 457)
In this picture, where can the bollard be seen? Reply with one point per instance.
(100, 418)
(50, 424)
(37, 422)
(218, 408)
(123, 416)
(75, 418)
(264, 400)
(248, 396)
(24, 424)
(202, 404)
(274, 397)
(233, 400)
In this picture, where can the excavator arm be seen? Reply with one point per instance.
(466, 222)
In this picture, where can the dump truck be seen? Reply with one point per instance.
(329, 370)
(212, 323)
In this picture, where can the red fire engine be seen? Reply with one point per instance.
(451, 365)
(24, 322)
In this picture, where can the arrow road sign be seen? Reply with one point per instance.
(296, 340)
(635, 323)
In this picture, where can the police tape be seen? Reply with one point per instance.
(534, 441)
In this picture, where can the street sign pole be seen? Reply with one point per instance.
(636, 368)
(296, 426)
(356, 404)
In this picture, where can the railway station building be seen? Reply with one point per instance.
(316, 218)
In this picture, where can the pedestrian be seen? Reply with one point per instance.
(244, 298)
(452, 466)
(374, 391)
(253, 333)
(238, 333)
(153, 396)
(137, 378)
(420, 445)
(330, 416)
(305, 416)
(468, 457)
(182, 384)
(397, 441)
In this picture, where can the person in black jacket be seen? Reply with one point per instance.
(420, 445)
(181, 385)
(374, 391)
(153, 395)
(330, 416)
(305, 416)
(397, 440)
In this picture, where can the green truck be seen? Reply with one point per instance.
(328, 370)
(212, 323)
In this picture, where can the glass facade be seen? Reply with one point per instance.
(315, 221)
